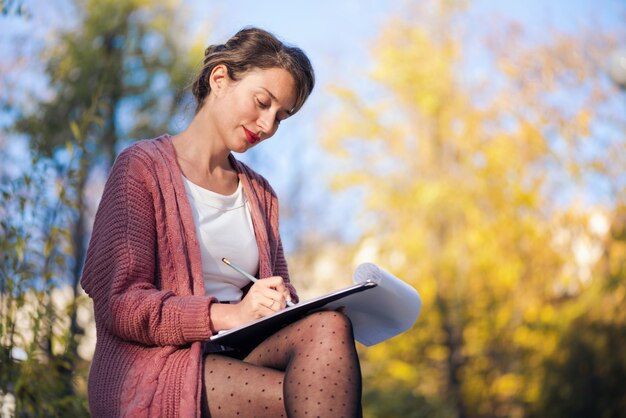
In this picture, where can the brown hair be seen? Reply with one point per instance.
(252, 48)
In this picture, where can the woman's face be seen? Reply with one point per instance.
(249, 110)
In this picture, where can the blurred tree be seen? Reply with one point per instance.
(129, 50)
(116, 76)
(37, 371)
(584, 378)
(126, 50)
(472, 189)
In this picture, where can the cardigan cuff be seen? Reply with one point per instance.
(195, 324)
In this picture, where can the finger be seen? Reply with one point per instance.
(276, 282)
(271, 294)
(263, 289)
(275, 305)
(282, 288)
(263, 306)
(269, 298)
(262, 311)
(270, 306)
(267, 292)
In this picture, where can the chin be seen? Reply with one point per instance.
(241, 148)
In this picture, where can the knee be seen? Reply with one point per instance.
(329, 325)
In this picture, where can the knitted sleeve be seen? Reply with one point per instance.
(120, 267)
(279, 267)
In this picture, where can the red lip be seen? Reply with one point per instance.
(251, 136)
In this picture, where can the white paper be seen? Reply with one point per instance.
(382, 312)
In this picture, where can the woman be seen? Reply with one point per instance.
(171, 209)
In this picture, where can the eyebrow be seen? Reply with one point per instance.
(288, 112)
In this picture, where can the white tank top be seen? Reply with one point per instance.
(224, 228)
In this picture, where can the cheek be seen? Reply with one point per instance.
(244, 107)
(236, 113)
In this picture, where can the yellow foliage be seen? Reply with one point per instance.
(507, 385)
(402, 371)
(437, 353)
(465, 204)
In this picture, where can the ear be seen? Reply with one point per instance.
(218, 79)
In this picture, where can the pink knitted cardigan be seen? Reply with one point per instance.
(144, 274)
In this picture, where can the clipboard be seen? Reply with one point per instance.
(252, 333)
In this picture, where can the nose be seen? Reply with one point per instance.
(266, 123)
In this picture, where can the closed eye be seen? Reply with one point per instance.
(262, 104)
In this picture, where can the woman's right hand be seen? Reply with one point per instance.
(265, 297)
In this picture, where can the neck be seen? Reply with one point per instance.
(201, 145)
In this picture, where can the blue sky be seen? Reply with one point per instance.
(337, 36)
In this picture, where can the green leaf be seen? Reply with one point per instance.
(19, 249)
(75, 130)
(47, 248)
(69, 146)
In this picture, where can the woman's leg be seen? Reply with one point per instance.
(233, 388)
(322, 372)
(322, 376)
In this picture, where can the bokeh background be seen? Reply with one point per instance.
(476, 149)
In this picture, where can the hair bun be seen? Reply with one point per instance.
(252, 48)
(211, 49)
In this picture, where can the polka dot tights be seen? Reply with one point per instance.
(307, 369)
